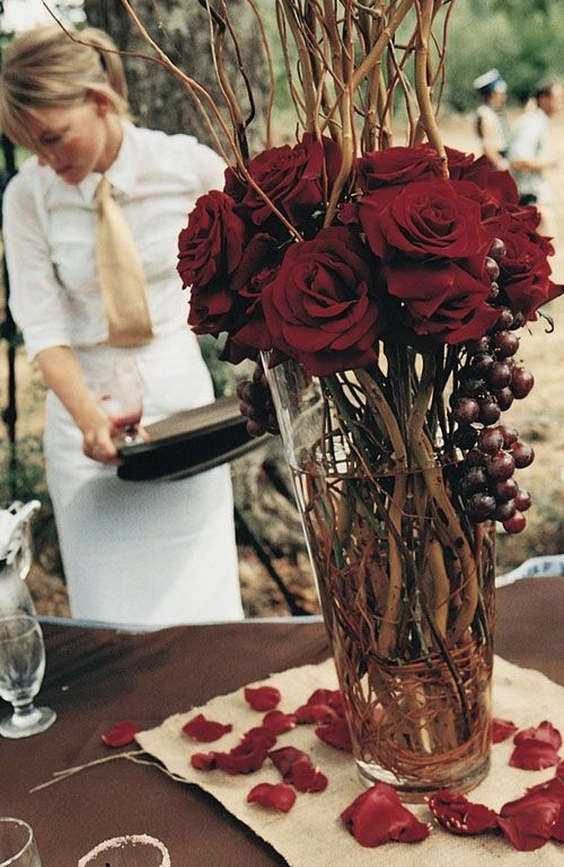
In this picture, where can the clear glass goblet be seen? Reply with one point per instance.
(120, 395)
(131, 850)
(17, 844)
(22, 666)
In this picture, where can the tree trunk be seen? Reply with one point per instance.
(181, 29)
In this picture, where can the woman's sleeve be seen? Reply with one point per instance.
(35, 293)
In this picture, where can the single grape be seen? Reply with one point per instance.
(522, 381)
(481, 506)
(522, 454)
(510, 435)
(491, 268)
(523, 500)
(501, 466)
(489, 411)
(467, 410)
(465, 437)
(504, 511)
(482, 362)
(504, 398)
(507, 489)
(490, 440)
(516, 523)
(518, 320)
(497, 250)
(473, 479)
(505, 343)
(505, 320)
(481, 344)
(500, 374)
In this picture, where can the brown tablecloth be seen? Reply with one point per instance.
(98, 676)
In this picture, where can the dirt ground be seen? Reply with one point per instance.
(539, 419)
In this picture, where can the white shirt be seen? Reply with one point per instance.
(49, 237)
(530, 142)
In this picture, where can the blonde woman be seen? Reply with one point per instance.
(149, 552)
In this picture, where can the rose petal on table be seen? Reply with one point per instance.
(259, 734)
(533, 755)
(502, 729)
(262, 697)
(315, 713)
(204, 730)
(530, 821)
(331, 697)
(278, 722)
(284, 757)
(305, 777)
(544, 733)
(336, 734)
(277, 796)
(203, 761)
(377, 816)
(458, 815)
(553, 788)
(121, 734)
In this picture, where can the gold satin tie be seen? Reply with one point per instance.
(121, 277)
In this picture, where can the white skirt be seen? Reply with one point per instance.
(152, 553)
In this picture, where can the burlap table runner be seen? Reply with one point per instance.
(311, 834)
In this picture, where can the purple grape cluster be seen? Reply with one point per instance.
(488, 383)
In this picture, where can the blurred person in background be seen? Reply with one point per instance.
(492, 125)
(530, 156)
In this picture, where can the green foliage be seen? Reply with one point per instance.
(498, 38)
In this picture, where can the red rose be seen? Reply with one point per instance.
(427, 218)
(398, 165)
(441, 300)
(296, 179)
(211, 245)
(525, 271)
(321, 308)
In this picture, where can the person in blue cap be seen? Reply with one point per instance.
(492, 126)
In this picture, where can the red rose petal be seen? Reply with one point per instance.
(533, 755)
(121, 734)
(377, 816)
(305, 777)
(543, 733)
(458, 815)
(247, 757)
(203, 761)
(336, 734)
(529, 822)
(284, 757)
(315, 713)
(502, 729)
(331, 697)
(278, 797)
(262, 697)
(204, 730)
(554, 788)
(278, 723)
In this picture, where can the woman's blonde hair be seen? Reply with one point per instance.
(45, 68)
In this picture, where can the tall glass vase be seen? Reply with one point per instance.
(406, 582)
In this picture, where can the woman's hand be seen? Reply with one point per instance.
(255, 403)
(97, 442)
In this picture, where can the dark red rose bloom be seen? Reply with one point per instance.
(458, 815)
(211, 246)
(321, 308)
(262, 697)
(377, 816)
(529, 822)
(278, 797)
(502, 729)
(525, 271)
(296, 179)
(397, 165)
(458, 162)
(426, 219)
(498, 184)
(121, 734)
(204, 730)
(441, 300)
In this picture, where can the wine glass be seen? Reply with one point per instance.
(120, 395)
(22, 666)
(17, 844)
(131, 850)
